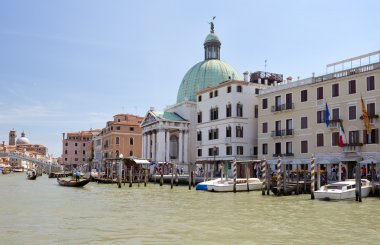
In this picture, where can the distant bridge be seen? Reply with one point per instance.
(39, 162)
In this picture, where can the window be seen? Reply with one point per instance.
(352, 87)
(84, 144)
(371, 109)
(335, 139)
(76, 152)
(199, 135)
(216, 93)
(199, 152)
(352, 112)
(277, 148)
(303, 95)
(335, 114)
(239, 110)
(66, 144)
(321, 116)
(228, 150)
(213, 134)
(213, 151)
(353, 137)
(304, 146)
(289, 101)
(370, 83)
(256, 111)
(257, 91)
(117, 140)
(371, 138)
(265, 103)
(289, 127)
(277, 102)
(265, 149)
(65, 159)
(118, 128)
(265, 127)
(76, 144)
(199, 117)
(131, 141)
(200, 98)
(239, 89)
(229, 89)
(255, 150)
(214, 113)
(239, 131)
(131, 129)
(211, 95)
(335, 90)
(319, 140)
(239, 150)
(84, 152)
(65, 151)
(228, 131)
(111, 128)
(303, 122)
(228, 110)
(131, 153)
(319, 93)
(289, 149)
(76, 159)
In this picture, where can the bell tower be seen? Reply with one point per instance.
(12, 137)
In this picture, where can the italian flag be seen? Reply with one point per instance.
(342, 136)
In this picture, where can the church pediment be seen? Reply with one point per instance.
(149, 119)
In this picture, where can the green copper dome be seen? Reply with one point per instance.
(204, 74)
(212, 37)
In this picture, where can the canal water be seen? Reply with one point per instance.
(42, 212)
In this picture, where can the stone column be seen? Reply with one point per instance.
(167, 148)
(148, 147)
(154, 145)
(161, 146)
(186, 145)
(143, 146)
(180, 147)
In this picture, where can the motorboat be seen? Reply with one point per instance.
(342, 190)
(251, 184)
(202, 186)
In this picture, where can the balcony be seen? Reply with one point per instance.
(277, 155)
(288, 132)
(334, 123)
(289, 154)
(352, 147)
(282, 107)
(372, 119)
(277, 133)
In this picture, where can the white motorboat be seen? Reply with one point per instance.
(241, 185)
(203, 186)
(342, 190)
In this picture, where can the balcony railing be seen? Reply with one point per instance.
(282, 107)
(352, 147)
(283, 132)
(277, 155)
(289, 154)
(334, 123)
(372, 118)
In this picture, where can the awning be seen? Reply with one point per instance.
(141, 161)
(369, 161)
(351, 159)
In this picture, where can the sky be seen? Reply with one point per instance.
(70, 65)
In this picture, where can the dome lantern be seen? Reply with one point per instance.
(212, 44)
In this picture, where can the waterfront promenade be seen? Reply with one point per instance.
(42, 212)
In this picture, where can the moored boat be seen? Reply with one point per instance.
(342, 190)
(203, 185)
(72, 182)
(241, 185)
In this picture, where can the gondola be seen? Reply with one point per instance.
(31, 177)
(31, 174)
(73, 182)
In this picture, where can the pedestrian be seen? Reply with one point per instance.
(181, 170)
(77, 175)
(333, 173)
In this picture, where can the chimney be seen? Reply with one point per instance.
(246, 76)
(63, 136)
(289, 79)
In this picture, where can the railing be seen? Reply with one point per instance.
(26, 158)
(289, 132)
(283, 132)
(334, 123)
(352, 147)
(276, 133)
(289, 154)
(277, 155)
(282, 107)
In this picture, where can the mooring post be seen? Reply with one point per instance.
(189, 169)
(171, 181)
(298, 181)
(312, 177)
(264, 170)
(162, 176)
(204, 172)
(284, 179)
(146, 174)
(119, 174)
(193, 177)
(373, 179)
(235, 175)
(278, 176)
(130, 176)
(176, 175)
(247, 175)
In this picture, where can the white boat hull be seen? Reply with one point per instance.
(338, 194)
(228, 186)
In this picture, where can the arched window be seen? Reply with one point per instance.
(131, 141)
(117, 140)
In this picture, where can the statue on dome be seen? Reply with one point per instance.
(212, 24)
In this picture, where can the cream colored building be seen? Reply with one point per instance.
(291, 122)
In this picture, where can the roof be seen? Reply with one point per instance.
(205, 74)
(131, 123)
(212, 37)
(172, 116)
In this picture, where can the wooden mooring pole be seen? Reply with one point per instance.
(171, 181)
(130, 176)
(312, 177)
(278, 176)
(247, 175)
(235, 175)
(264, 175)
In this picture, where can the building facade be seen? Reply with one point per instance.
(292, 118)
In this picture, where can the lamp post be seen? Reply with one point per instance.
(120, 169)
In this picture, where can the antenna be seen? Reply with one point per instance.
(265, 69)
